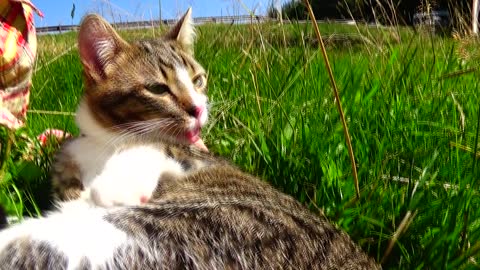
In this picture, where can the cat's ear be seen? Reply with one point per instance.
(183, 32)
(98, 43)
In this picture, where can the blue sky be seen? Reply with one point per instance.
(58, 11)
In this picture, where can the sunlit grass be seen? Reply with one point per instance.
(412, 118)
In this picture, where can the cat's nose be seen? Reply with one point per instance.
(195, 111)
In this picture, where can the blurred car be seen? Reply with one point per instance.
(437, 21)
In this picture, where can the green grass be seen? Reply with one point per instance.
(413, 122)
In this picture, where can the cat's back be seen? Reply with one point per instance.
(221, 218)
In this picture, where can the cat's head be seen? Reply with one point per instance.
(151, 88)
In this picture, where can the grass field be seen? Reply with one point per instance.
(412, 107)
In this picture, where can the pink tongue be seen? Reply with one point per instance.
(193, 136)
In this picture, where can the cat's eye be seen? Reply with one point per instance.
(199, 81)
(157, 88)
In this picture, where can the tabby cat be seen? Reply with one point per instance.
(142, 102)
(206, 214)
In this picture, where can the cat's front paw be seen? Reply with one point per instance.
(125, 189)
(107, 196)
(131, 176)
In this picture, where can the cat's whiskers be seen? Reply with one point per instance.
(123, 134)
(169, 129)
(177, 132)
(145, 130)
(138, 126)
(146, 127)
(112, 143)
(150, 126)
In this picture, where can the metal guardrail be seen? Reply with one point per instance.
(242, 19)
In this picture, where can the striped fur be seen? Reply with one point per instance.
(212, 216)
(215, 218)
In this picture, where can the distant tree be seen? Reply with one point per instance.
(383, 11)
(272, 11)
(355, 9)
(294, 10)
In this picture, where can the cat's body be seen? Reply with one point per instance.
(202, 213)
(216, 218)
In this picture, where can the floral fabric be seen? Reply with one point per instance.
(18, 45)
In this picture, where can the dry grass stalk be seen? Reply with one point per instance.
(337, 98)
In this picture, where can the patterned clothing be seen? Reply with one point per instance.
(18, 47)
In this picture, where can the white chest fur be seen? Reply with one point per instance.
(113, 174)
